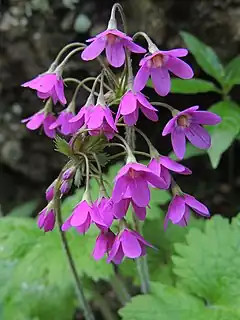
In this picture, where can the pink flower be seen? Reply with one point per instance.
(82, 217)
(114, 42)
(50, 191)
(41, 119)
(63, 122)
(69, 173)
(179, 209)
(48, 85)
(104, 243)
(46, 220)
(157, 65)
(65, 186)
(82, 117)
(161, 166)
(130, 105)
(120, 209)
(128, 243)
(103, 210)
(133, 181)
(100, 120)
(188, 123)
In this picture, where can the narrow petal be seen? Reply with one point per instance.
(43, 96)
(130, 245)
(43, 83)
(132, 118)
(176, 209)
(155, 166)
(133, 47)
(196, 205)
(118, 256)
(171, 164)
(128, 103)
(94, 49)
(120, 209)
(114, 249)
(84, 227)
(169, 127)
(36, 121)
(66, 225)
(50, 119)
(198, 136)
(150, 114)
(176, 52)
(59, 88)
(180, 68)
(155, 180)
(109, 118)
(96, 117)
(119, 189)
(139, 211)
(166, 176)
(185, 219)
(80, 214)
(141, 78)
(139, 191)
(178, 142)
(161, 81)
(115, 54)
(100, 247)
(205, 118)
(144, 102)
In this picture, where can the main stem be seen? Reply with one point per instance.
(142, 265)
(79, 289)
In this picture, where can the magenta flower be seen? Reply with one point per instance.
(127, 243)
(65, 186)
(132, 181)
(63, 122)
(120, 209)
(50, 191)
(41, 119)
(161, 166)
(46, 220)
(82, 117)
(69, 173)
(100, 120)
(103, 245)
(130, 105)
(114, 42)
(48, 85)
(179, 210)
(188, 123)
(103, 211)
(157, 65)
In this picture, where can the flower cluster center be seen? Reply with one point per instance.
(158, 60)
(183, 121)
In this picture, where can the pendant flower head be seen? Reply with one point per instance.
(161, 166)
(115, 43)
(129, 108)
(129, 244)
(63, 123)
(46, 219)
(39, 119)
(103, 245)
(157, 65)
(48, 85)
(188, 123)
(179, 210)
(133, 182)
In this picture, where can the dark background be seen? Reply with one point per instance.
(32, 33)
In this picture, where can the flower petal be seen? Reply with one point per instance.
(205, 118)
(180, 52)
(176, 209)
(133, 47)
(185, 219)
(161, 80)
(80, 214)
(43, 83)
(128, 103)
(100, 247)
(198, 136)
(180, 68)
(171, 164)
(119, 189)
(120, 208)
(35, 121)
(139, 211)
(59, 88)
(169, 127)
(114, 250)
(115, 54)
(196, 205)
(94, 49)
(166, 176)
(150, 114)
(96, 117)
(130, 245)
(139, 191)
(132, 118)
(141, 78)
(144, 102)
(178, 142)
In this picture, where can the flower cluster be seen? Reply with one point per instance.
(91, 129)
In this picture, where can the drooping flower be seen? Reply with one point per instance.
(132, 181)
(129, 108)
(50, 191)
(65, 186)
(64, 124)
(39, 119)
(114, 42)
(100, 120)
(81, 118)
(103, 245)
(48, 85)
(179, 209)
(69, 173)
(128, 243)
(46, 219)
(161, 166)
(157, 65)
(103, 210)
(120, 209)
(188, 123)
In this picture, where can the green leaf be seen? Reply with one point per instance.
(205, 56)
(192, 86)
(62, 146)
(24, 210)
(225, 132)
(191, 151)
(232, 71)
(208, 265)
(169, 303)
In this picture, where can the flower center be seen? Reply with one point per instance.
(183, 121)
(133, 174)
(111, 38)
(158, 60)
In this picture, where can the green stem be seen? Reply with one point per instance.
(79, 289)
(165, 105)
(151, 46)
(120, 289)
(103, 306)
(62, 64)
(69, 46)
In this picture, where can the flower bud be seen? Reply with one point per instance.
(46, 220)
